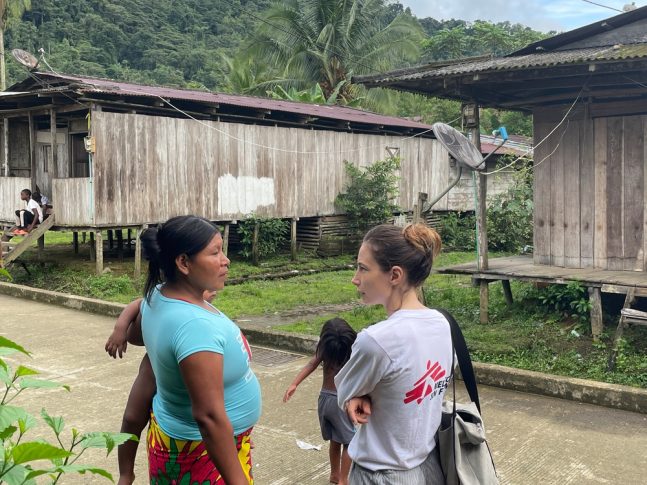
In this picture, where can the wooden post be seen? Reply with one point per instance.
(32, 151)
(41, 247)
(129, 235)
(418, 209)
(138, 252)
(111, 241)
(507, 292)
(92, 248)
(293, 238)
(75, 241)
(52, 128)
(120, 244)
(255, 244)
(5, 130)
(99, 252)
(481, 220)
(597, 324)
(225, 238)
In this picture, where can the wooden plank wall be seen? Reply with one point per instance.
(589, 191)
(10, 188)
(72, 201)
(148, 168)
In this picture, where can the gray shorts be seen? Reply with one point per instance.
(427, 473)
(334, 422)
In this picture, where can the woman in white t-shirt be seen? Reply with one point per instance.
(394, 383)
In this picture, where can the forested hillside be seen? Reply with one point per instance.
(214, 44)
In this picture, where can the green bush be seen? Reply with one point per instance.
(370, 191)
(272, 234)
(21, 461)
(458, 231)
(509, 215)
(571, 300)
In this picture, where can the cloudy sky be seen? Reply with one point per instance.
(543, 15)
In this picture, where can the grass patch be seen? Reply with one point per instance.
(524, 336)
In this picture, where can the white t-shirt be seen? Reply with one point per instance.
(31, 205)
(403, 364)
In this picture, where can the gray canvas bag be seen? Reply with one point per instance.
(464, 453)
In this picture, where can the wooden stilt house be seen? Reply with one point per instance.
(587, 92)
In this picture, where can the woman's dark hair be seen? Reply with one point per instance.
(335, 343)
(26, 191)
(413, 248)
(163, 244)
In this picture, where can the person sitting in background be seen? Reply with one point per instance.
(30, 217)
(43, 201)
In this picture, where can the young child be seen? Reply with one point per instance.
(333, 349)
(140, 399)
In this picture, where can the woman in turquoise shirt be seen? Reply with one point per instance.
(207, 399)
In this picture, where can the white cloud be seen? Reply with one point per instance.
(544, 15)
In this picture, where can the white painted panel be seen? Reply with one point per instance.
(244, 194)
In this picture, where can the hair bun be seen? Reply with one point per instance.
(150, 243)
(423, 238)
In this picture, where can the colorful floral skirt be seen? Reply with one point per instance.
(182, 462)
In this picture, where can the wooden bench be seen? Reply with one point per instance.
(628, 316)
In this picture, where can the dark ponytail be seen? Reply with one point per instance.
(163, 244)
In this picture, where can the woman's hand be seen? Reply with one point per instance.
(359, 409)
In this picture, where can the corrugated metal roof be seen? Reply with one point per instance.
(342, 113)
(545, 59)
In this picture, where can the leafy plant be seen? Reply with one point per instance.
(5, 274)
(370, 192)
(509, 215)
(570, 300)
(272, 234)
(21, 462)
(458, 231)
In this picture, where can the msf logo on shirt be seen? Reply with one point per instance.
(432, 383)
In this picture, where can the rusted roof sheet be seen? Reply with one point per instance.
(96, 85)
(539, 60)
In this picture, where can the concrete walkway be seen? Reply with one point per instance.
(535, 439)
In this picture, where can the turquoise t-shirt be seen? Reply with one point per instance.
(175, 329)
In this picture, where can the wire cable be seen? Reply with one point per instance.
(603, 6)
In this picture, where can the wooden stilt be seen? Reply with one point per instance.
(130, 237)
(484, 301)
(111, 241)
(597, 324)
(138, 252)
(92, 248)
(507, 292)
(99, 252)
(84, 236)
(41, 247)
(225, 238)
(75, 241)
(120, 243)
(293, 238)
(255, 244)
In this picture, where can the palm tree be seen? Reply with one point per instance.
(327, 41)
(9, 9)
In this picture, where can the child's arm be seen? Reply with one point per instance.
(117, 342)
(303, 373)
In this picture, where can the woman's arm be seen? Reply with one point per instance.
(203, 376)
(367, 365)
(308, 369)
(117, 342)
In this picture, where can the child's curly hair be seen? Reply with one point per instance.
(335, 343)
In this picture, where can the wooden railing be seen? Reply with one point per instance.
(10, 188)
(73, 201)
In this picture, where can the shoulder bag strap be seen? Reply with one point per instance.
(464, 361)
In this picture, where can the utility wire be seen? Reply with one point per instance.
(603, 6)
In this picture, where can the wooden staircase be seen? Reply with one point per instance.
(9, 251)
(628, 316)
